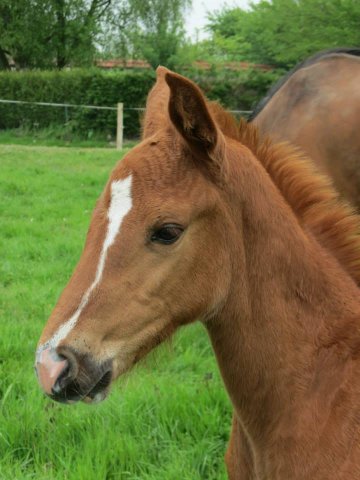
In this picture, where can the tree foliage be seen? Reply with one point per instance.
(281, 32)
(49, 33)
(160, 30)
(152, 30)
(59, 33)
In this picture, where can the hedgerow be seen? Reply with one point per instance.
(233, 89)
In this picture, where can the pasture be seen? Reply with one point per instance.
(168, 419)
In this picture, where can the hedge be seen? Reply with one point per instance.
(235, 90)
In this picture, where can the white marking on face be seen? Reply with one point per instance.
(120, 205)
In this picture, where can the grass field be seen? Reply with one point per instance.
(167, 420)
(55, 136)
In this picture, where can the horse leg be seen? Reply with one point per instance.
(238, 456)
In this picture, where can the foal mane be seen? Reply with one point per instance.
(310, 194)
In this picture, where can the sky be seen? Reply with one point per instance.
(196, 18)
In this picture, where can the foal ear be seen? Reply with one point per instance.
(190, 115)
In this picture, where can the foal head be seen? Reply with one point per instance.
(156, 253)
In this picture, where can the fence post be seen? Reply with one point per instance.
(66, 115)
(120, 126)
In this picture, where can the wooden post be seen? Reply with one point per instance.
(120, 126)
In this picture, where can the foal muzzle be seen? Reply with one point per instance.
(67, 376)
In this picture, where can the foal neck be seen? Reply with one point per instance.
(288, 332)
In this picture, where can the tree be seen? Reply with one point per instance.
(160, 29)
(116, 37)
(281, 32)
(17, 39)
(49, 33)
(148, 29)
(74, 29)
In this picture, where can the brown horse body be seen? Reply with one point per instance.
(317, 107)
(192, 225)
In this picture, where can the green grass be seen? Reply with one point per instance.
(56, 136)
(169, 419)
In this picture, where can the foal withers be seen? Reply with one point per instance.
(193, 225)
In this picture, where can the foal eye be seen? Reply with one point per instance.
(167, 234)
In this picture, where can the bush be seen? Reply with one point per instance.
(234, 90)
(84, 87)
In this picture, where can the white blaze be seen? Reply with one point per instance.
(120, 206)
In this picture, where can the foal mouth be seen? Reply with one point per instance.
(94, 394)
(100, 391)
(91, 384)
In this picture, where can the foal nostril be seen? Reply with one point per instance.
(53, 370)
(62, 381)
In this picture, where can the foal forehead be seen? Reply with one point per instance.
(155, 163)
(159, 182)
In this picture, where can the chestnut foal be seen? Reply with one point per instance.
(193, 224)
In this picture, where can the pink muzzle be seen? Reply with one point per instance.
(49, 367)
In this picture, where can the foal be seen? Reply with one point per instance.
(192, 224)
